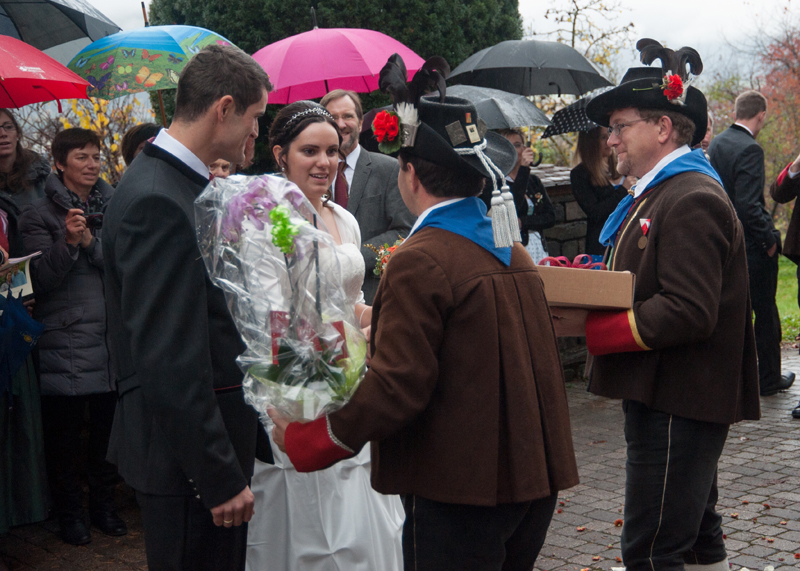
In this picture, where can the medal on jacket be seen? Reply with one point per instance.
(645, 224)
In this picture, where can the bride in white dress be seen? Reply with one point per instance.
(332, 519)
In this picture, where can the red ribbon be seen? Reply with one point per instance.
(579, 262)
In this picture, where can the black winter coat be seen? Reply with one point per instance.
(68, 284)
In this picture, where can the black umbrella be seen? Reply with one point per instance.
(530, 67)
(60, 28)
(572, 118)
(501, 109)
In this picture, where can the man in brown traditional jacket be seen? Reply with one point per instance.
(785, 189)
(683, 359)
(464, 401)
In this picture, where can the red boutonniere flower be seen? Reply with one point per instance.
(386, 127)
(672, 86)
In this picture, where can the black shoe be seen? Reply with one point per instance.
(785, 382)
(74, 532)
(109, 523)
(796, 411)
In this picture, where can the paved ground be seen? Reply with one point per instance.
(759, 481)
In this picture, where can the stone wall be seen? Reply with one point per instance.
(566, 238)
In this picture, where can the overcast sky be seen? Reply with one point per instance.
(702, 24)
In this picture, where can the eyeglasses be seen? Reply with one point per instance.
(617, 127)
(345, 117)
(8, 127)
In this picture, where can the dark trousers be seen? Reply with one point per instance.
(763, 271)
(457, 537)
(64, 418)
(180, 535)
(671, 491)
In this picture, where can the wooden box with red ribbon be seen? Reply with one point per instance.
(584, 284)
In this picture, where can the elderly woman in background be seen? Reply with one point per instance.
(22, 172)
(534, 209)
(596, 184)
(73, 354)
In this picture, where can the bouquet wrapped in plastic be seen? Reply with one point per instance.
(265, 247)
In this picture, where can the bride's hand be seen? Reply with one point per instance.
(279, 432)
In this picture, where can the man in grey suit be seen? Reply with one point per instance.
(367, 186)
(739, 160)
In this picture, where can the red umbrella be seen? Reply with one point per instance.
(29, 76)
(311, 64)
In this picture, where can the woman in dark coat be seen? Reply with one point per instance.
(596, 184)
(23, 479)
(534, 209)
(74, 372)
(22, 172)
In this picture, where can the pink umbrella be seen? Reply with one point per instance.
(311, 64)
(30, 76)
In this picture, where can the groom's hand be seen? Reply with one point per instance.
(279, 432)
(235, 511)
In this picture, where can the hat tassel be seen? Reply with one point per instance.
(503, 238)
(511, 211)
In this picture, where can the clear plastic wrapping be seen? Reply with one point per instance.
(265, 247)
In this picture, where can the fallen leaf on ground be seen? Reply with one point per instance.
(559, 510)
(618, 559)
(745, 502)
(767, 506)
(735, 515)
(596, 558)
(618, 523)
(783, 522)
(581, 528)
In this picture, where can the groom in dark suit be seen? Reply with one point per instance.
(183, 437)
(366, 185)
(739, 160)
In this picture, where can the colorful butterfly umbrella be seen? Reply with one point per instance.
(147, 59)
(30, 76)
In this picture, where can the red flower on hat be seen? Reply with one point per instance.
(672, 86)
(385, 126)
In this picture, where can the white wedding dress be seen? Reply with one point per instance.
(331, 520)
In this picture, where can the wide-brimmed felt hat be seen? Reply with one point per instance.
(448, 132)
(452, 125)
(666, 88)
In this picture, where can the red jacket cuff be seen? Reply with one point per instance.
(311, 446)
(784, 174)
(613, 332)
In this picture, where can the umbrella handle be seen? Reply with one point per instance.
(161, 104)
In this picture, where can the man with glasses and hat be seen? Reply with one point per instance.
(464, 401)
(683, 359)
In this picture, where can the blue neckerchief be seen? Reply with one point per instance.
(694, 161)
(467, 218)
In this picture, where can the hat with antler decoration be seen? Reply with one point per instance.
(667, 88)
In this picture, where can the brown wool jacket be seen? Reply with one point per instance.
(691, 307)
(464, 400)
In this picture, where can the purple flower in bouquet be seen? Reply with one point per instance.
(295, 197)
(254, 205)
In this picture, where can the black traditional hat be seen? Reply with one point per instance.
(666, 89)
(446, 131)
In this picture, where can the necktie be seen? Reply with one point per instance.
(340, 186)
